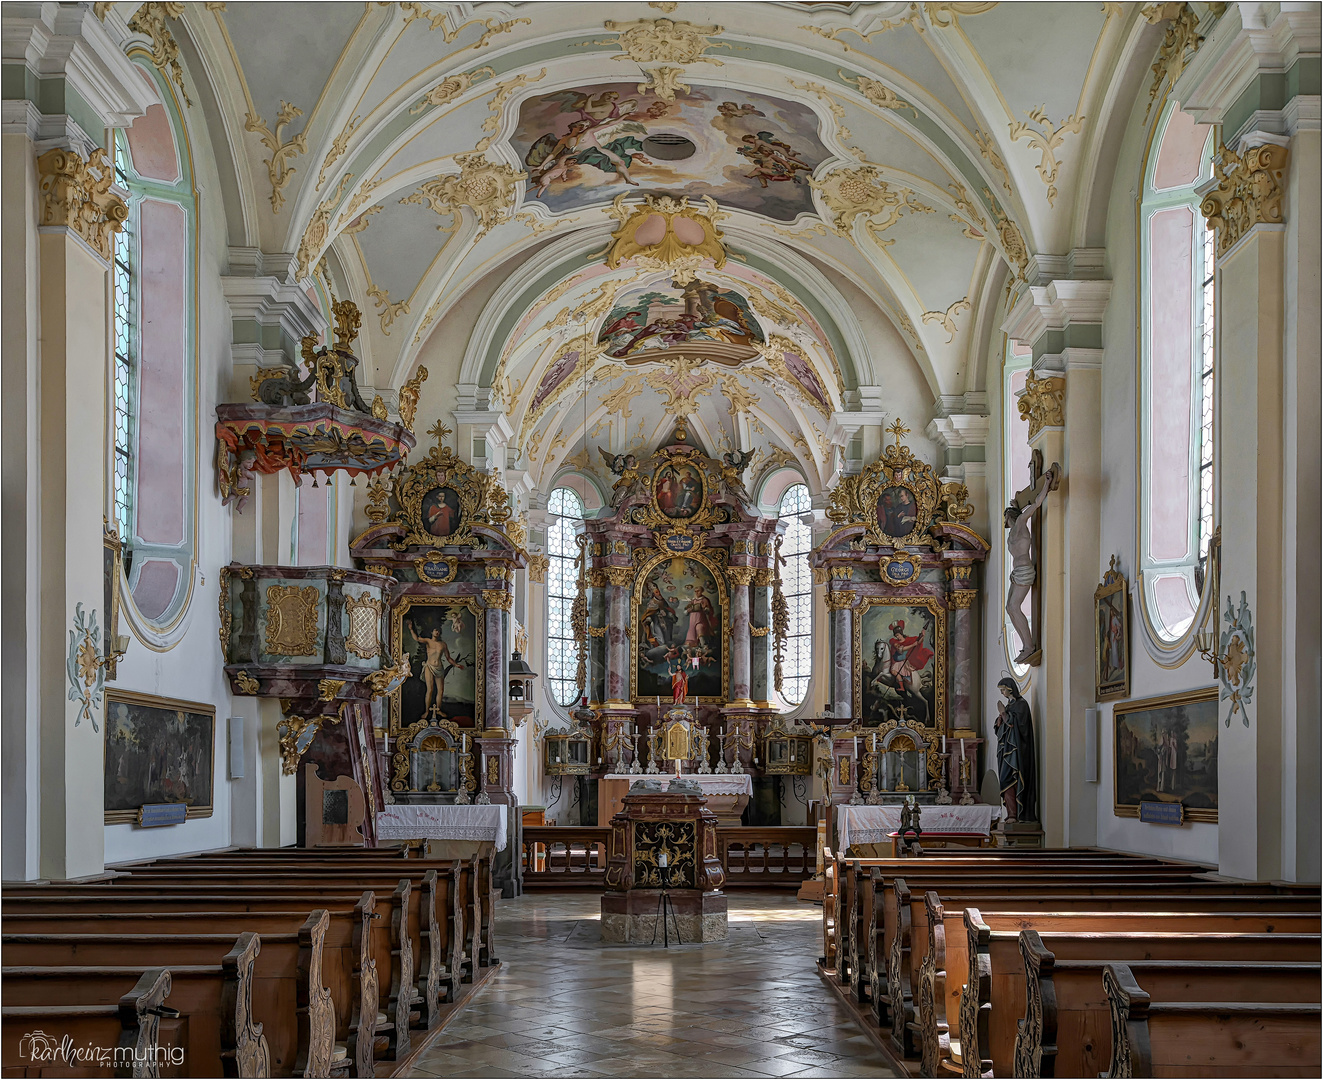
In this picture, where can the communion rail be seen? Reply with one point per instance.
(573, 856)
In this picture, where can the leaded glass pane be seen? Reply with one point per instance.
(562, 587)
(797, 586)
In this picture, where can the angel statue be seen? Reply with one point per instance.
(733, 464)
(625, 466)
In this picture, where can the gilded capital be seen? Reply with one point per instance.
(537, 568)
(620, 576)
(740, 575)
(1249, 192)
(76, 194)
(501, 599)
(597, 579)
(762, 578)
(963, 598)
(839, 601)
(1043, 403)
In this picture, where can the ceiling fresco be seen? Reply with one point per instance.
(587, 144)
(696, 317)
(884, 177)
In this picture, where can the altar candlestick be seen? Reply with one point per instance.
(943, 744)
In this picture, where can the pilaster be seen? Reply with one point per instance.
(1061, 320)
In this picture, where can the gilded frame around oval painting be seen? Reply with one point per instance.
(683, 473)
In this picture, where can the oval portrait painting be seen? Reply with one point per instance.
(441, 511)
(897, 511)
(679, 489)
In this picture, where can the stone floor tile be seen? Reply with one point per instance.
(561, 1006)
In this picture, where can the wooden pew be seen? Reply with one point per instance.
(993, 998)
(431, 916)
(1066, 1028)
(1208, 1038)
(130, 1027)
(480, 937)
(475, 881)
(214, 1002)
(939, 956)
(350, 968)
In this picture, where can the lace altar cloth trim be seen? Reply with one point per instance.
(436, 822)
(875, 824)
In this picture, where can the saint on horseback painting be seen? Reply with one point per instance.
(902, 662)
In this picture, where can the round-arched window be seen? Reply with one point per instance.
(797, 587)
(566, 510)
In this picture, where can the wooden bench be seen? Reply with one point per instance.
(1206, 1037)
(939, 958)
(130, 1027)
(1066, 1027)
(349, 966)
(995, 990)
(215, 1025)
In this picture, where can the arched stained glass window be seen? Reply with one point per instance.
(566, 508)
(797, 586)
(124, 390)
(1177, 351)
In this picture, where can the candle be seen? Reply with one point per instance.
(943, 744)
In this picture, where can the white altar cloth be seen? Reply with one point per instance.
(875, 824)
(433, 821)
(711, 783)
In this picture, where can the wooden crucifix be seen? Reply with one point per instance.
(1024, 524)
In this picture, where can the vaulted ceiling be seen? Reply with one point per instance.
(884, 172)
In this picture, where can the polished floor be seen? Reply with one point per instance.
(565, 1005)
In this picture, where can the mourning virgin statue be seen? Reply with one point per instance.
(1016, 775)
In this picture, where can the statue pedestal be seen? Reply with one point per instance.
(664, 840)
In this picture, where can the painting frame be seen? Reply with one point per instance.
(469, 603)
(690, 468)
(637, 635)
(937, 722)
(1111, 637)
(1122, 711)
(123, 815)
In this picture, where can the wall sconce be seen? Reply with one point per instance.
(1206, 642)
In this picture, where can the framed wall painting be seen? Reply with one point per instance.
(158, 750)
(1111, 636)
(443, 637)
(1165, 751)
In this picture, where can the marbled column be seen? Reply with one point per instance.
(617, 641)
(494, 704)
(760, 648)
(964, 660)
(842, 652)
(740, 577)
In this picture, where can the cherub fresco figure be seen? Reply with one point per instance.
(603, 137)
(773, 160)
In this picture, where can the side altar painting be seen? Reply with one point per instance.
(680, 615)
(903, 671)
(441, 636)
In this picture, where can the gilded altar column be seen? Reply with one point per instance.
(840, 604)
(619, 579)
(740, 577)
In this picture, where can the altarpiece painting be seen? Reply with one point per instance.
(441, 637)
(680, 617)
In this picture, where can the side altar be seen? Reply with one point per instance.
(902, 570)
(663, 862)
(443, 533)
